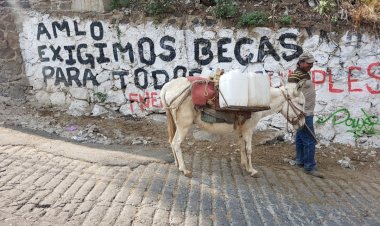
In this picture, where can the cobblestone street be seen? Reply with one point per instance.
(41, 186)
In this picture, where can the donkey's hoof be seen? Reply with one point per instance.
(255, 174)
(188, 173)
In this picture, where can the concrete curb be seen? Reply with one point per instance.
(73, 151)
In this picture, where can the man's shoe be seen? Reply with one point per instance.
(294, 163)
(299, 165)
(314, 173)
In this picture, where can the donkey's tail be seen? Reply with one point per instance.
(172, 128)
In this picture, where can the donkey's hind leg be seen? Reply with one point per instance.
(175, 157)
(177, 151)
(243, 153)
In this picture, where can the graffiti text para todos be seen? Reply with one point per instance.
(203, 53)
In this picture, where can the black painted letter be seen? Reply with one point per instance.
(170, 48)
(127, 48)
(60, 77)
(206, 51)
(155, 79)
(264, 41)
(177, 69)
(89, 76)
(71, 60)
(137, 80)
(56, 53)
(99, 36)
(195, 71)
(90, 58)
(298, 49)
(42, 30)
(221, 50)
(121, 74)
(73, 74)
(41, 53)
(237, 51)
(101, 59)
(60, 27)
(151, 51)
(77, 31)
(47, 72)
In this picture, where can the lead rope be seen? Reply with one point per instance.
(311, 133)
(295, 109)
(287, 116)
(187, 90)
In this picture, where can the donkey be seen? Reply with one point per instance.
(181, 114)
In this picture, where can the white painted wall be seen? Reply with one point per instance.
(342, 96)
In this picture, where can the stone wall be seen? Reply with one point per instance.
(60, 5)
(13, 82)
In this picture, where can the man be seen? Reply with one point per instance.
(305, 140)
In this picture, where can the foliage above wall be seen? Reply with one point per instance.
(271, 13)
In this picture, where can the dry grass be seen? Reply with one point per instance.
(363, 11)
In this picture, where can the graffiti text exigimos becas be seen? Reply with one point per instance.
(358, 126)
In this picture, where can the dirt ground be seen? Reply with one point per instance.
(150, 133)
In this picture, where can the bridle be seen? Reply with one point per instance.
(299, 112)
(299, 115)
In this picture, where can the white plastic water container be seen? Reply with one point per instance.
(233, 87)
(258, 89)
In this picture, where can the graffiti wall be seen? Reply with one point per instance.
(93, 65)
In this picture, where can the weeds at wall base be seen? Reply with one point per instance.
(257, 18)
(116, 4)
(225, 9)
(359, 14)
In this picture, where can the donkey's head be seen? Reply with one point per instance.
(292, 103)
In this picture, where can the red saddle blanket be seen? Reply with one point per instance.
(202, 90)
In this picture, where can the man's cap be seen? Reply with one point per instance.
(306, 57)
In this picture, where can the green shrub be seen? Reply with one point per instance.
(335, 19)
(101, 96)
(325, 6)
(257, 18)
(116, 4)
(157, 7)
(286, 20)
(225, 9)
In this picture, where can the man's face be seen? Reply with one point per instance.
(306, 66)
